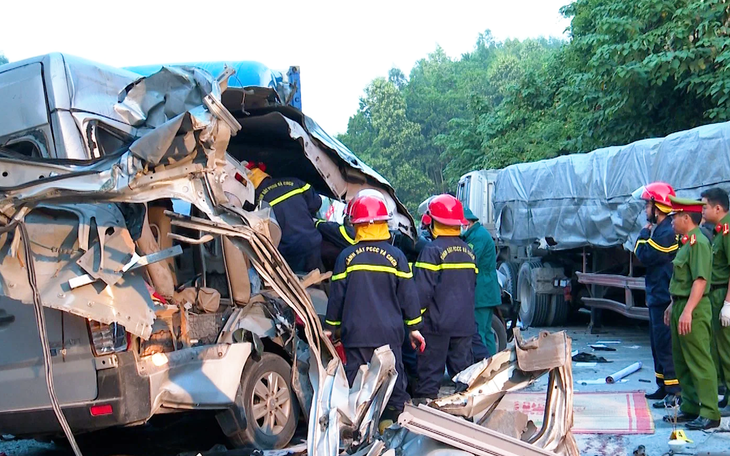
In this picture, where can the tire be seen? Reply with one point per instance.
(534, 308)
(559, 311)
(500, 333)
(272, 374)
(511, 271)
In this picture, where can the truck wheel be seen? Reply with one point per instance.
(269, 404)
(534, 307)
(500, 333)
(559, 311)
(511, 270)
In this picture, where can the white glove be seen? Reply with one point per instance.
(725, 314)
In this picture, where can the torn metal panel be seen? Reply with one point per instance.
(325, 163)
(113, 254)
(419, 445)
(464, 435)
(498, 376)
(140, 262)
(490, 380)
(206, 377)
(555, 434)
(55, 243)
(508, 422)
(546, 351)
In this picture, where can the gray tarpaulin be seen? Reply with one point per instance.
(585, 199)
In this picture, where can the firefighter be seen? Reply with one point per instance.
(445, 275)
(295, 206)
(690, 317)
(335, 239)
(715, 212)
(372, 296)
(488, 294)
(656, 248)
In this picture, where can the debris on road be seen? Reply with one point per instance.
(583, 357)
(617, 376)
(600, 347)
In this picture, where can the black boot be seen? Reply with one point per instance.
(669, 401)
(681, 417)
(660, 393)
(702, 423)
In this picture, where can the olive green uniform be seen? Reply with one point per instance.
(718, 291)
(691, 352)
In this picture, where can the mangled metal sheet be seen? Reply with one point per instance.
(461, 434)
(197, 377)
(514, 369)
(181, 155)
(56, 236)
(331, 168)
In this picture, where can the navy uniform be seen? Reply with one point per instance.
(295, 205)
(656, 250)
(372, 296)
(335, 239)
(445, 275)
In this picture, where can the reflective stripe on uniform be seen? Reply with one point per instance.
(345, 236)
(671, 382)
(415, 321)
(442, 266)
(333, 323)
(316, 224)
(659, 376)
(656, 246)
(372, 268)
(288, 195)
(423, 311)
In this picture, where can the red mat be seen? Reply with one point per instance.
(624, 412)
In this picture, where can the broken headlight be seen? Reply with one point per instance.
(107, 339)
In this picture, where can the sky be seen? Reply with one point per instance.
(340, 45)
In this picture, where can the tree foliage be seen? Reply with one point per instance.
(631, 69)
(3, 60)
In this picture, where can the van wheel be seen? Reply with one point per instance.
(534, 308)
(269, 404)
(500, 333)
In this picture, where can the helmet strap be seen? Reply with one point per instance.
(653, 218)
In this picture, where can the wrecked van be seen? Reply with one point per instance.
(138, 278)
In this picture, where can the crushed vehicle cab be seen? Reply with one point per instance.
(127, 217)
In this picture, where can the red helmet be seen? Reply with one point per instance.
(656, 192)
(447, 210)
(426, 220)
(368, 209)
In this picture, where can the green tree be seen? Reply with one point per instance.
(3, 59)
(381, 134)
(632, 69)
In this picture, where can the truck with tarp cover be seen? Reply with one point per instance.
(566, 227)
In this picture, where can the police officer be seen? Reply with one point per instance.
(372, 295)
(445, 274)
(715, 212)
(690, 317)
(488, 294)
(295, 205)
(656, 248)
